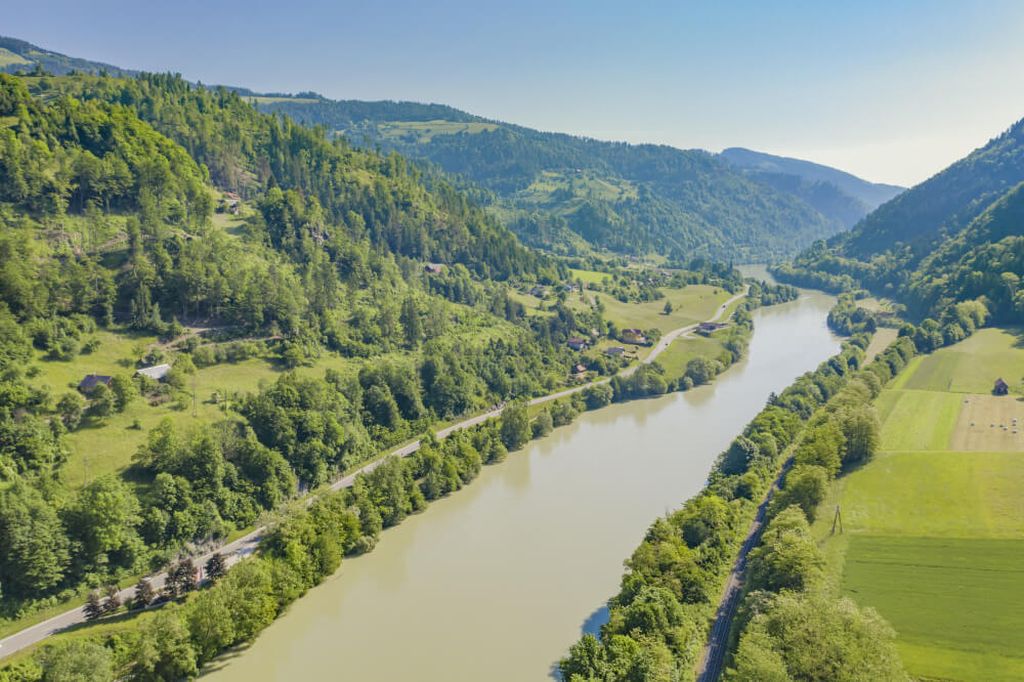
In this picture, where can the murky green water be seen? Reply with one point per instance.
(497, 581)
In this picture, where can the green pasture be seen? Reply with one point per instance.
(8, 58)
(949, 595)
(936, 494)
(571, 188)
(971, 366)
(424, 131)
(691, 304)
(934, 538)
(918, 420)
(589, 276)
(684, 349)
(880, 340)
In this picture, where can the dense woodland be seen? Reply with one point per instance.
(107, 224)
(570, 193)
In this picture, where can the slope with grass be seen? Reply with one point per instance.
(933, 527)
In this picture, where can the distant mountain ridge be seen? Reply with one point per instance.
(20, 56)
(835, 193)
(956, 237)
(571, 194)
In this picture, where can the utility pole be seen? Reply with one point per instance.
(838, 518)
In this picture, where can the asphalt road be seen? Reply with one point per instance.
(247, 544)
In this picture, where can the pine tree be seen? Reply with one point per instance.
(216, 567)
(186, 575)
(113, 602)
(93, 606)
(144, 594)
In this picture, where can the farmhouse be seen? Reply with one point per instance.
(615, 351)
(633, 336)
(1001, 387)
(91, 381)
(155, 372)
(576, 343)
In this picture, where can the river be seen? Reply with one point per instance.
(496, 581)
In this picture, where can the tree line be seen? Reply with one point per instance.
(658, 620)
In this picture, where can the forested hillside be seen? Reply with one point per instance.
(956, 237)
(130, 208)
(570, 193)
(297, 307)
(838, 195)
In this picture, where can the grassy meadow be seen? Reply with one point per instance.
(934, 524)
(691, 304)
(685, 348)
(880, 340)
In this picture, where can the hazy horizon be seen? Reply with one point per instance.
(891, 92)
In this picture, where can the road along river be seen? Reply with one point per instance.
(498, 580)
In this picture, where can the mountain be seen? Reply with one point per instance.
(954, 238)
(570, 194)
(836, 194)
(945, 203)
(19, 56)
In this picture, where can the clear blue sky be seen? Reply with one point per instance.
(890, 90)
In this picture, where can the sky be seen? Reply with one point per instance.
(890, 90)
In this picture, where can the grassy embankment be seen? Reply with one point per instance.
(934, 524)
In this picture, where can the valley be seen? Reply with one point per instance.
(296, 386)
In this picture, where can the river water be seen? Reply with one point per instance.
(498, 580)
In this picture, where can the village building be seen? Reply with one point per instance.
(155, 372)
(91, 381)
(1001, 387)
(615, 351)
(576, 343)
(433, 268)
(538, 291)
(633, 336)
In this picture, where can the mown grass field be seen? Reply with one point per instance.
(424, 131)
(691, 304)
(674, 358)
(934, 525)
(879, 342)
(589, 276)
(970, 366)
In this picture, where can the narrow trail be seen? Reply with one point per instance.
(712, 660)
(246, 545)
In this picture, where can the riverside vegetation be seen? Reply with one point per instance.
(949, 252)
(821, 425)
(116, 230)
